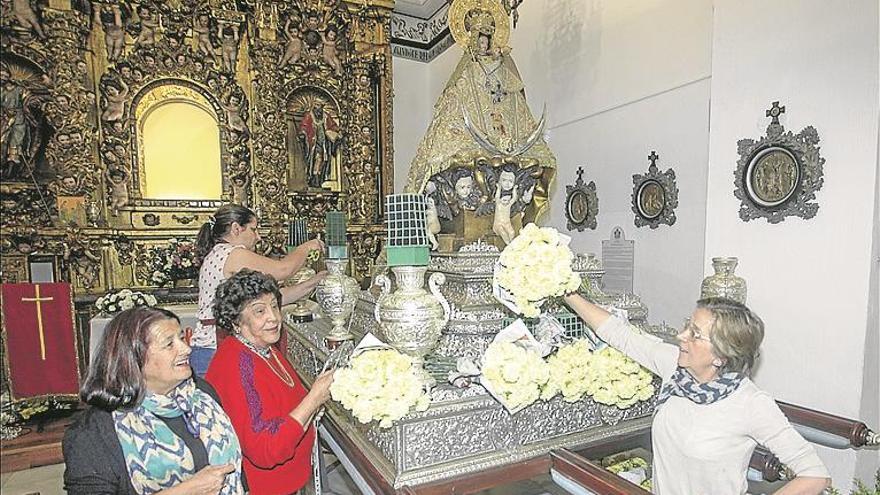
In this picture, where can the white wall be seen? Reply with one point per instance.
(809, 280)
(412, 113)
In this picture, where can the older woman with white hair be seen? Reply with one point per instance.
(710, 415)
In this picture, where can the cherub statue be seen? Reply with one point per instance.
(240, 189)
(235, 114)
(293, 49)
(26, 16)
(111, 18)
(228, 46)
(117, 181)
(202, 34)
(149, 26)
(329, 51)
(116, 94)
(501, 224)
(432, 222)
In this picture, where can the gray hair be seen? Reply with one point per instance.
(736, 335)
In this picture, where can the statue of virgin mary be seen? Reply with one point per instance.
(482, 112)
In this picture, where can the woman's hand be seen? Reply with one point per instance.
(317, 396)
(316, 278)
(320, 391)
(208, 481)
(309, 246)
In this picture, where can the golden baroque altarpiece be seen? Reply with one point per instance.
(300, 92)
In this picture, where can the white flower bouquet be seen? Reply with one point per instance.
(569, 370)
(114, 302)
(534, 266)
(513, 370)
(616, 380)
(379, 384)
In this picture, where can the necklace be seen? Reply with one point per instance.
(283, 374)
(268, 355)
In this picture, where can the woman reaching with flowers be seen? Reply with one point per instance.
(226, 245)
(710, 415)
(269, 407)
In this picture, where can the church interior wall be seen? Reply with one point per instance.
(808, 279)
(716, 67)
(412, 107)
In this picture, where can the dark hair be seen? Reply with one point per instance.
(116, 375)
(235, 292)
(737, 333)
(214, 229)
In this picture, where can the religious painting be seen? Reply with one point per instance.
(778, 175)
(72, 210)
(772, 177)
(581, 204)
(24, 129)
(314, 141)
(655, 196)
(651, 199)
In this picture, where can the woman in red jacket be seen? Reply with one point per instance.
(270, 409)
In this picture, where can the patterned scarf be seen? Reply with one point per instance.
(683, 384)
(157, 459)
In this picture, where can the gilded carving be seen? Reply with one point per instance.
(78, 78)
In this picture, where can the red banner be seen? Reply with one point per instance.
(40, 340)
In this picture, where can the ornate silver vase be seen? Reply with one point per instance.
(723, 283)
(337, 295)
(411, 318)
(299, 309)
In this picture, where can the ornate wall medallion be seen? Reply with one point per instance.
(581, 204)
(778, 175)
(655, 196)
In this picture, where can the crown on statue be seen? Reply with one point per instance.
(481, 22)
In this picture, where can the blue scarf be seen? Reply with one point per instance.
(158, 459)
(683, 384)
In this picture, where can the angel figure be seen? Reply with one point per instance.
(202, 34)
(432, 221)
(149, 26)
(234, 114)
(116, 95)
(228, 46)
(293, 49)
(240, 189)
(26, 16)
(329, 51)
(118, 184)
(114, 35)
(501, 224)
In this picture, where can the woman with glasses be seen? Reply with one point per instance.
(269, 407)
(710, 415)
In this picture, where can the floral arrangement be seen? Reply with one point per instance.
(534, 266)
(616, 380)
(515, 375)
(569, 370)
(379, 385)
(115, 302)
(176, 261)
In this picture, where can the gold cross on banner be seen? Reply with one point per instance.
(37, 299)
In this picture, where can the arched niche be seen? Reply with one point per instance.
(179, 141)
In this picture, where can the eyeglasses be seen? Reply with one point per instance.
(693, 332)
